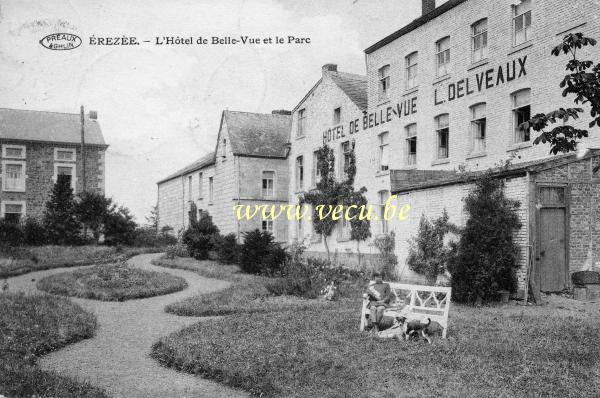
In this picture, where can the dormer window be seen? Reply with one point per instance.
(224, 148)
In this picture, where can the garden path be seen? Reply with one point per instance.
(117, 358)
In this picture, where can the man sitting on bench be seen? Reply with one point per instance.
(380, 295)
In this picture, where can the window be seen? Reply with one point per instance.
(411, 70)
(383, 197)
(300, 231)
(13, 212)
(13, 176)
(411, 144)
(190, 188)
(199, 185)
(443, 135)
(64, 155)
(211, 189)
(13, 151)
(301, 122)
(384, 82)
(67, 170)
(267, 225)
(224, 148)
(344, 229)
(442, 49)
(383, 151)
(478, 128)
(522, 22)
(346, 151)
(479, 40)
(268, 178)
(521, 114)
(316, 175)
(337, 115)
(299, 173)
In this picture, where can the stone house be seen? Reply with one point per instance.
(37, 147)
(248, 167)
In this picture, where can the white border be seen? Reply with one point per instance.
(13, 202)
(72, 150)
(73, 176)
(19, 162)
(6, 146)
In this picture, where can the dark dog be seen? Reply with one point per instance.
(415, 328)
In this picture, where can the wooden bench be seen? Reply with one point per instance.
(416, 301)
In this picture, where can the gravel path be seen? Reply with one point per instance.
(117, 358)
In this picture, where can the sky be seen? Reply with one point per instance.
(159, 107)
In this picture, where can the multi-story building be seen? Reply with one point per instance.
(453, 87)
(249, 167)
(36, 148)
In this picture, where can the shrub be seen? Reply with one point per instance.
(484, 260)
(199, 237)
(11, 234)
(176, 250)
(60, 220)
(148, 237)
(34, 233)
(427, 254)
(228, 249)
(119, 227)
(387, 259)
(91, 210)
(259, 254)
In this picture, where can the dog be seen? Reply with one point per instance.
(415, 328)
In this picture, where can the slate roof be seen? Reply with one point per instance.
(258, 134)
(355, 87)
(411, 180)
(422, 20)
(27, 125)
(205, 161)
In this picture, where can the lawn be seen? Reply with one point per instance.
(247, 294)
(32, 326)
(21, 260)
(111, 282)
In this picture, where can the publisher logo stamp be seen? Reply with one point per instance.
(61, 41)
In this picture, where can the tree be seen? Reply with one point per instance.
(119, 226)
(152, 219)
(91, 210)
(330, 193)
(484, 260)
(200, 236)
(60, 221)
(583, 81)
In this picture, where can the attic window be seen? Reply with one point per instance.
(224, 148)
(337, 115)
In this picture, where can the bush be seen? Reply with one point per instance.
(484, 260)
(259, 254)
(119, 227)
(148, 237)
(177, 250)
(11, 234)
(34, 233)
(60, 219)
(387, 259)
(227, 248)
(200, 236)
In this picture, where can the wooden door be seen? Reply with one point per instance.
(552, 265)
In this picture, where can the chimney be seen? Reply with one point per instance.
(281, 112)
(329, 68)
(428, 6)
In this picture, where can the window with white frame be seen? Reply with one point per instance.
(12, 211)
(442, 56)
(299, 173)
(267, 225)
(411, 144)
(344, 229)
(411, 70)
(268, 181)
(190, 188)
(13, 176)
(478, 128)
(316, 174)
(64, 154)
(521, 113)
(337, 115)
(211, 189)
(13, 151)
(479, 38)
(300, 230)
(522, 22)
(346, 152)
(224, 148)
(383, 197)
(301, 123)
(200, 185)
(384, 151)
(442, 124)
(66, 170)
(384, 82)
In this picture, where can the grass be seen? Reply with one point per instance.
(247, 294)
(33, 325)
(22, 260)
(112, 282)
(509, 351)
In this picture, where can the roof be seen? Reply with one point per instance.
(205, 161)
(28, 125)
(355, 87)
(415, 24)
(258, 134)
(411, 180)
